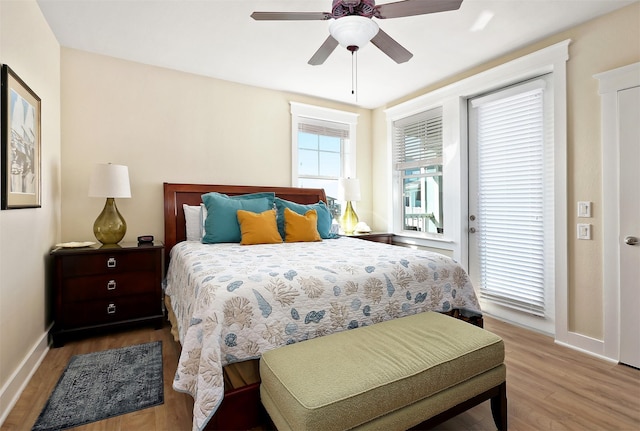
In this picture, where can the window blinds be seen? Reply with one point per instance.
(323, 128)
(418, 140)
(510, 141)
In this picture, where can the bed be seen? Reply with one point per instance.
(228, 302)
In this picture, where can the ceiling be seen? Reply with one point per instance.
(218, 39)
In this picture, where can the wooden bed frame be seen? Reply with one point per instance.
(241, 408)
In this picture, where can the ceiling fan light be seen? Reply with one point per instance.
(353, 30)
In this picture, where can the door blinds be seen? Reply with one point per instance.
(511, 202)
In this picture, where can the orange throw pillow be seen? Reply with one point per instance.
(301, 228)
(258, 228)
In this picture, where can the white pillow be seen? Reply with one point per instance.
(203, 218)
(194, 221)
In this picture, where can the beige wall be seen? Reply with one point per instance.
(605, 43)
(28, 46)
(174, 127)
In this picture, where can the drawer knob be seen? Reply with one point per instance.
(111, 262)
(111, 309)
(111, 285)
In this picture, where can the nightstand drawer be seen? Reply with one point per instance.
(108, 286)
(101, 263)
(111, 310)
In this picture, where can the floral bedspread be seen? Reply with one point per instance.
(234, 302)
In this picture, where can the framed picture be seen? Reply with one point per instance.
(21, 135)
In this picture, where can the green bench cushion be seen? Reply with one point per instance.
(347, 379)
(407, 416)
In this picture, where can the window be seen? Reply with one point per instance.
(320, 146)
(417, 155)
(323, 148)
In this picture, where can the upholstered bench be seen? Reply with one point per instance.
(416, 370)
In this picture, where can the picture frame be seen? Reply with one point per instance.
(20, 112)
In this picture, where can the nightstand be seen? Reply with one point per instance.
(100, 288)
(384, 237)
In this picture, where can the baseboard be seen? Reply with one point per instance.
(581, 343)
(590, 346)
(11, 391)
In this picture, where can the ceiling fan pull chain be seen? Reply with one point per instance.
(354, 73)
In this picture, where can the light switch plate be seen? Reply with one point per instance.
(584, 209)
(584, 231)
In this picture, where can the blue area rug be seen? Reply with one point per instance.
(101, 385)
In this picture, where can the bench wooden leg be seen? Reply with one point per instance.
(498, 397)
(499, 407)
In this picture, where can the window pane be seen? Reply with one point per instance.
(330, 188)
(307, 140)
(434, 203)
(329, 164)
(422, 197)
(307, 162)
(411, 194)
(330, 143)
(433, 169)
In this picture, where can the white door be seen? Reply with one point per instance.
(511, 202)
(629, 133)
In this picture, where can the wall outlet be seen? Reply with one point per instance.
(584, 231)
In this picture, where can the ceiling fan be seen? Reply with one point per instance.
(353, 27)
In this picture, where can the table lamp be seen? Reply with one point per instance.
(349, 191)
(110, 181)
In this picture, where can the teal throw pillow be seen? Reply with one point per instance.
(221, 224)
(324, 216)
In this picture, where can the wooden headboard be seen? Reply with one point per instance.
(177, 194)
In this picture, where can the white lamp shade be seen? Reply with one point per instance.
(110, 181)
(349, 189)
(353, 30)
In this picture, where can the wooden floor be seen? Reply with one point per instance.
(549, 387)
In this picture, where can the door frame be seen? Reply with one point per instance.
(610, 83)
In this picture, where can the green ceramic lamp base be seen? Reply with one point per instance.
(110, 227)
(349, 219)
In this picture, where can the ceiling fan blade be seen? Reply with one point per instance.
(291, 16)
(323, 52)
(416, 7)
(390, 47)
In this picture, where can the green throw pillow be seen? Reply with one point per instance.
(324, 216)
(221, 224)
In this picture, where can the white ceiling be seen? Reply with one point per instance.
(218, 38)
